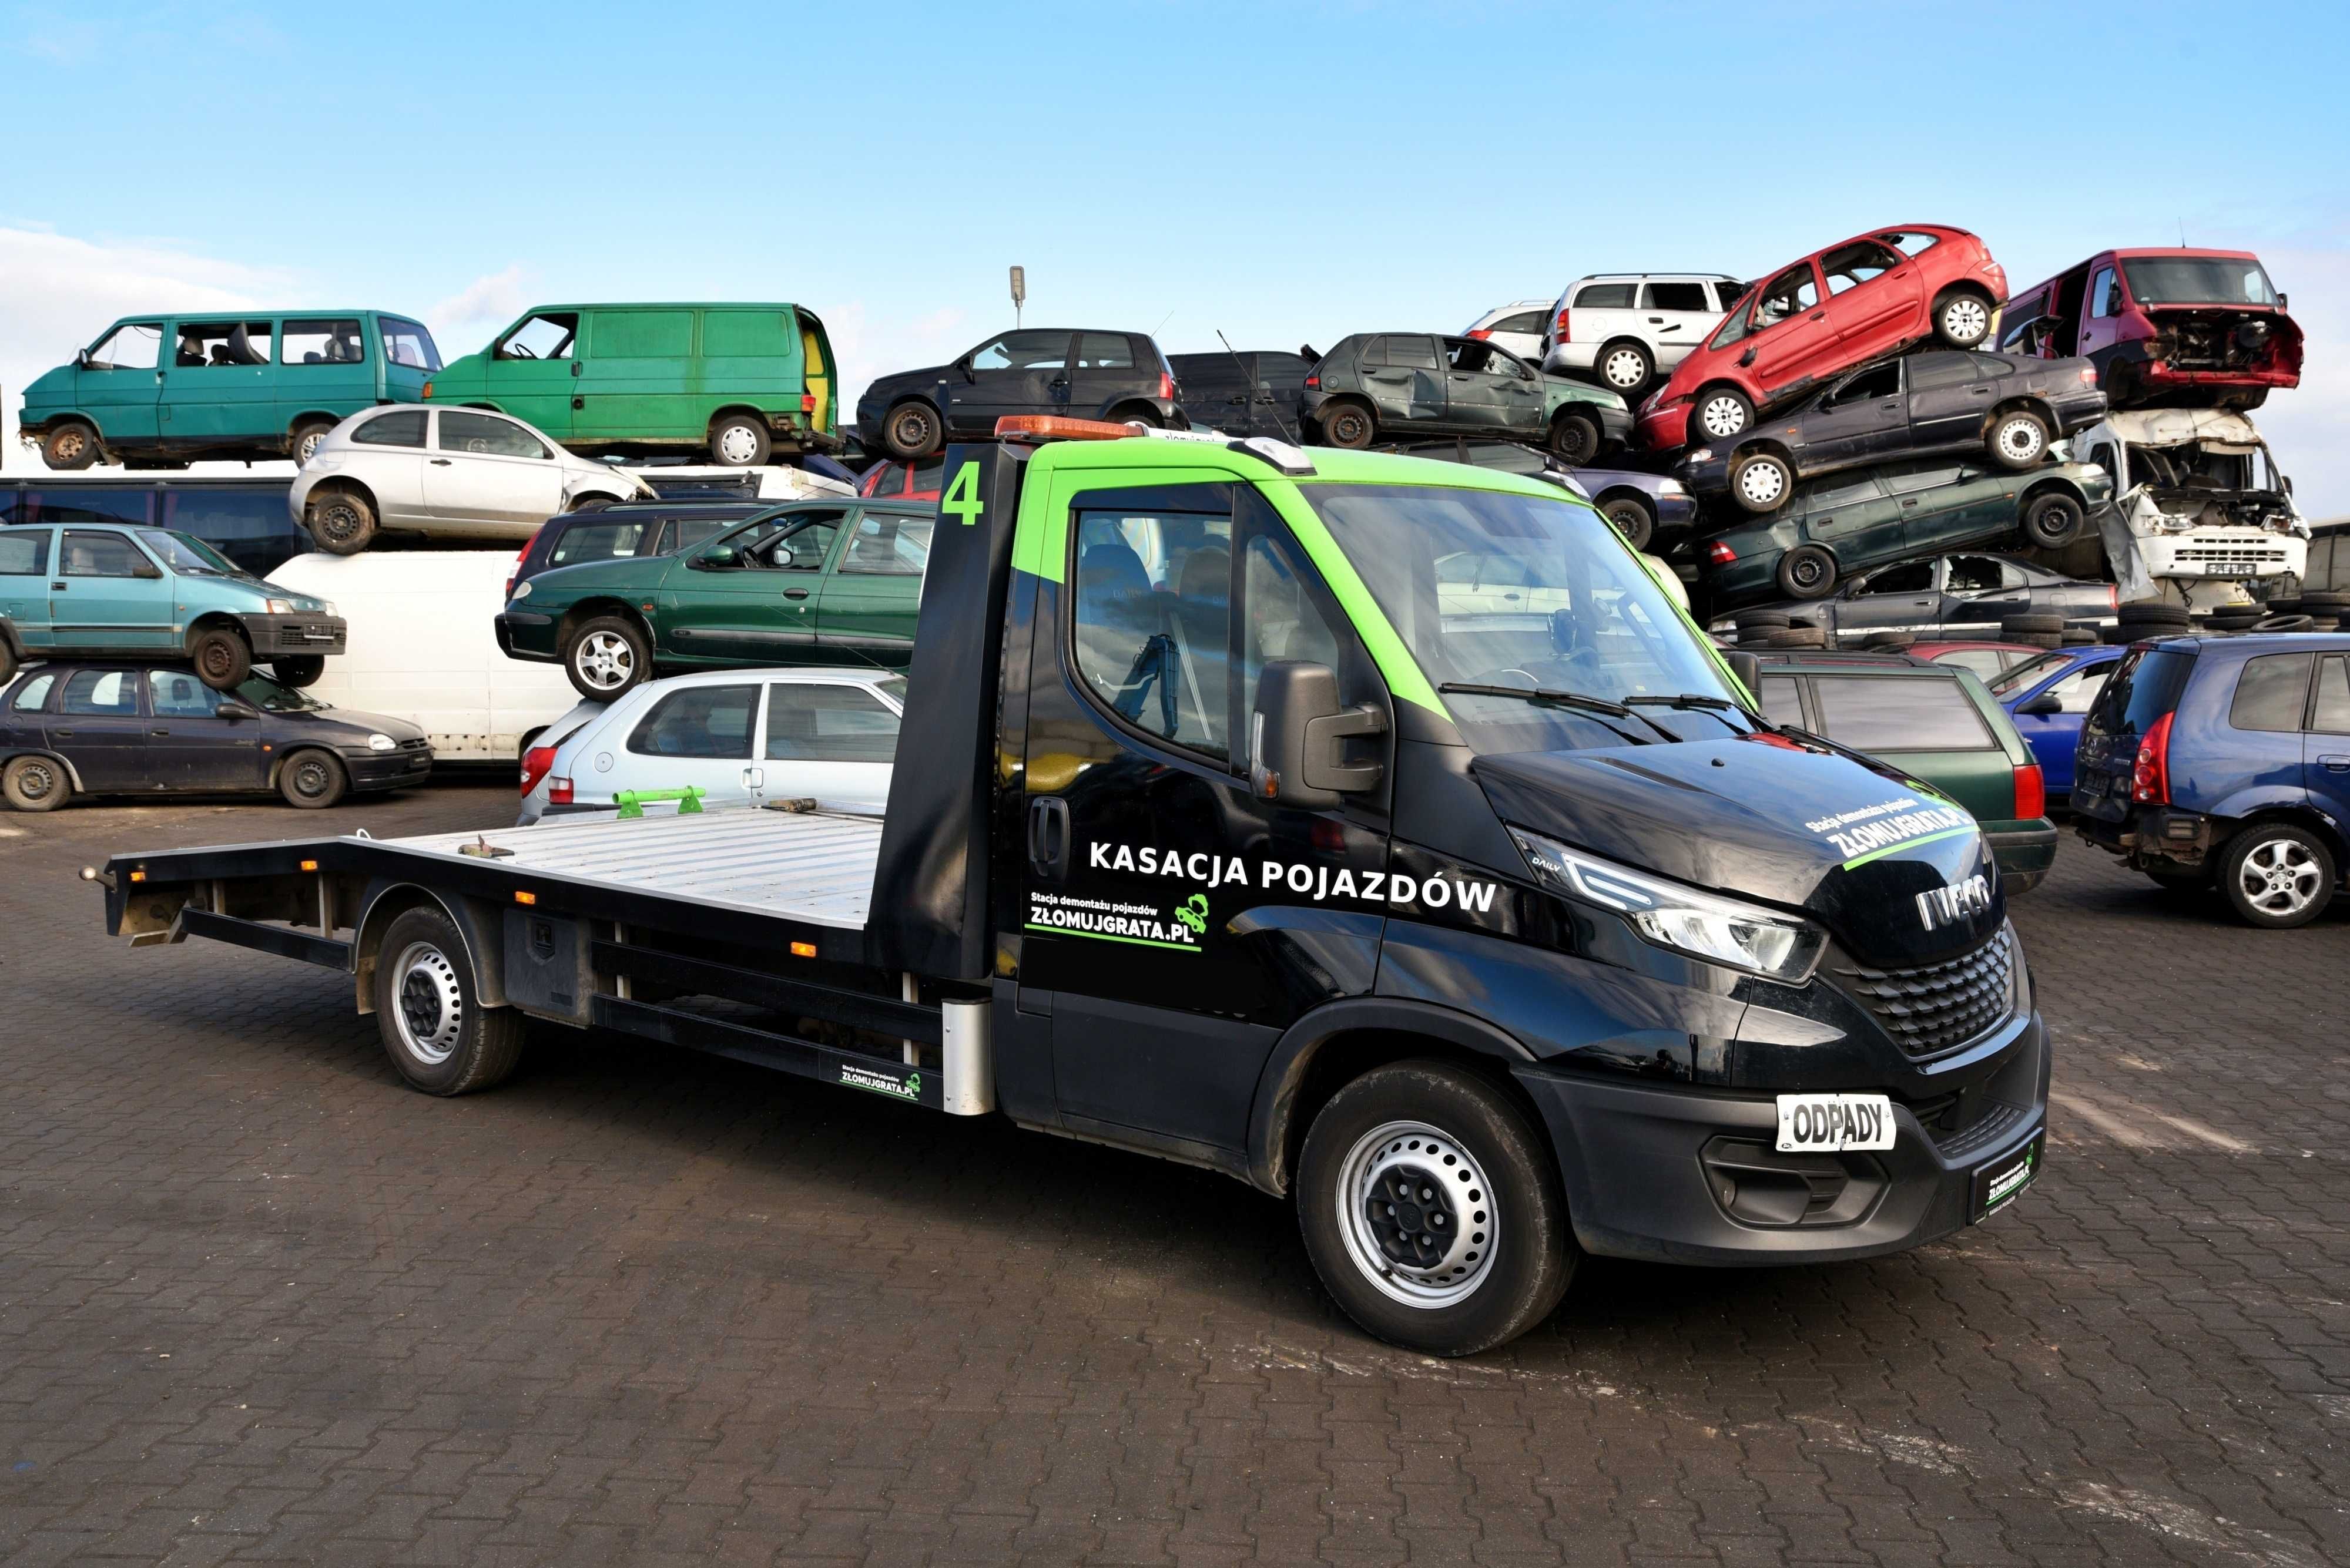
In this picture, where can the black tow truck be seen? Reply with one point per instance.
(1373, 830)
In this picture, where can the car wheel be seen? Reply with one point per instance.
(1432, 1211)
(911, 430)
(35, 784)
(303, 444)
(340, 521)
(1626, 368)
(739, 441)
(2052, 522)
(222, 656)
(300, 670)
(1806, 572)
(1574, 438)
(428, 1008)
(1146, 418)
(1721, 413)
(69, 446)
(1759, 480)
(1349, 425)
(606, 657)
(7, 661)
(312, 779)
(1630, 517)
(2276, 876)
(1961, 320)
(2018, 438)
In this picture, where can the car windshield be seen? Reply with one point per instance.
(2026, 673)
(1490, 588)
(183, 553)
(2198, 280)
(272, 698)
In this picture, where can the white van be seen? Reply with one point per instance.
(2198, 494)
(423, 647)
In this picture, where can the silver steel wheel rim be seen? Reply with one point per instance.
(738, 443)
(605, 660)
(1762, 485)
(307, 447)
(37, 779)
(1805, 572)
(2020, 438)
(1460, 1223)
(1627, 518)
(2280, 877)
(1964, 319)
(1624, 369)
(1721, 417)
(428, 1004)
(338, 521)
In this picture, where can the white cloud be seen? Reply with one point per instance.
(482, 306)
(866, 346)
(2309, 427)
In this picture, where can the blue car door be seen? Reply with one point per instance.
(2325, 749)
(2054, 737)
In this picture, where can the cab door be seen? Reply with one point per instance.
(532, 370)
(120, 381)
(1171, 915)
(107, 594)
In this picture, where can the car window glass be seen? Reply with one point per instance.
(101, 692)
(2270, 692)
(803, 547)
(407, 343)
(403, 427)
(1874, 714)
(809, 723)
(95, 504)
(1990, 367)
(177, 694)
(1024, 351)
(1104, 351)
(2013, 677)
(1908, 577)
(1863, 261)
(135, 346)
(1418, 353)
(223, 345)
(2333, 714)
(1904, 479)
(1910, 242)
(2196, 280)
(1526, 323)
(1972, 574)
(1790, 294)
(1983, 661)
(486, 435)
(1844, 489)
(544, 336)
(322, 340)
(183, 553)
(1281, 618)
(608, 540)
(1781, 702)
(691, 531)
(1675, 297)
(1928, 372)
(1730, 292)
(712, 721)
(1475, 357)
(1884, 382)
(2104, 294)
(1153, 620)
(888, 546)
(270, 696)
(25, 554)
(2079, 691)
(100, 555)
(1606, 295)
(34, 694)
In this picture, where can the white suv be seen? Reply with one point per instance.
(1627, 329)
(1516, 328)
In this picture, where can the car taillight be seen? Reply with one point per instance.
(2150, 775)
(2088, 375)
(1480, 333)
(1313, 383)
(2112, 596)
(2031, 792)
(428, 390)
(1562, 327)
(534, 763)
(1166, 387)
(521, 555)
(1719, 553)
(807, 402)
(558, 791)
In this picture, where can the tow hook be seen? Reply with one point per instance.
(103, 879)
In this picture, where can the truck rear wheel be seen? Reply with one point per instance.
(429, 1010)
(1431, 1210)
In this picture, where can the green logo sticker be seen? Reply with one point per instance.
(961, 499)
(1193, 913)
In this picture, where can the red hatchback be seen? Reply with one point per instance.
(1872, 295)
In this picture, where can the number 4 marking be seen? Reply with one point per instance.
(961, 499)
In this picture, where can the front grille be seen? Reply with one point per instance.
(1939, 1006)
(298, 636)
(418, 744)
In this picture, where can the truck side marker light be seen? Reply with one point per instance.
(802, 950)
(309, 866)
(139, 876)
(523, 899)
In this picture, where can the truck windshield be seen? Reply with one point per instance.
(1488, 587)
(2198, 280)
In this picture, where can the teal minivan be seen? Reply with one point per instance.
(739, 381)
(160, 390)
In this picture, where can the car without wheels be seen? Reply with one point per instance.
(2165, 328)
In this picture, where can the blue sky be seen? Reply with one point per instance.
(1286, 173)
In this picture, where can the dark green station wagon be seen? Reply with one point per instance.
(818, 582)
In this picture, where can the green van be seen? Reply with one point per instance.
(160, 390)
(742, 380)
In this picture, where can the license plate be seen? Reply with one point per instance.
(1998, 1183)
(1825, 1124)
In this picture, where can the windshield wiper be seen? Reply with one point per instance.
(1549, 697)
(1717, 706)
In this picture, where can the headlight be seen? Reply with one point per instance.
(330, 608)
(382, 743)
(1702, 924)
(1671, 487)
(279, 607)
(521, 590)
(1703, 454)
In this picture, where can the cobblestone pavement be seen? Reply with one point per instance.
(260, 1303)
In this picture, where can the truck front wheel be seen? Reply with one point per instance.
(429, 1012)
(1432, 1211)
(71, 445)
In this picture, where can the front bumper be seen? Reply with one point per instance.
(273, 635)
(1710, 477)
(1615, 424)
(1657, 1173)
(523, 634)
(388, 770)
(1664, 429)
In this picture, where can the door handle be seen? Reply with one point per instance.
(2334, 764)
(1978, 391)
(63, 734)
(575, 367)
(1911, 500)
(1048, 836)
(439, 462)
(1656, 321)
(794, 593)
(57, 587)
(159, 731)
(1819, 316)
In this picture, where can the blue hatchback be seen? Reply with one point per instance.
(2225, 760)
(2048, 697)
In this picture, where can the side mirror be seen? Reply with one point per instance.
(1747, 358)
(234, 710)
(2044, 705)
(1748, 667)
(2283, 300)
(147, 569)
(1296, 751)
(717, 558)
(81, 359)
(968, 372)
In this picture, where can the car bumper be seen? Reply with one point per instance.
(1615, 424)
(275, 635)
(1659, 1173)
(2023, 849)
(1664, 429)
(2161, 836)
(1747, 575)
(1710, 477)
(523, 634)
(1571, 358)
(386, 770)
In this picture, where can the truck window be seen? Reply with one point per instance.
(2104, 294)
(1282, 620)
(1870, 713)
(133, 347)
(1152, 621)
(224, 344)
(548, 335)
(712, 721)
(2270, 692)
(808, 722)
(325, 340)
(407, 343)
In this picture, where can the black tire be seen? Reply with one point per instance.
(1893, 640)
(1624, 368)
(2284, 604)
(429, 1011)
(2018, 438)
(300, 670)
(340, 521)
(1763, 618)
(1145, 416)
(607, 657)
(2033, 621)
(222, 656)
(1630, 517)
(1349, 425)
(912, 430)
(7, 661)
(2152, 615)
(35, 783)
(1796, 637)
(305, 439)
(2078, 637)
(1807, 572)
(1719, 413)
(2277, 623)
(1573, 437)
(1961, 320)
(739, 441)
(2315, 599)
(2257, 866)
(312, 779)
(1428, 1128)
(1760, 482)
(69, 446)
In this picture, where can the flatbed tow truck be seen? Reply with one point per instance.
(1373, 830)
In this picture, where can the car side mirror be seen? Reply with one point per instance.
(2044, 705)
(147, 569)
(237, 710)
(1747, 358)
(970, 372)
(717, 558)
(1297, 734)
(81, 359)
(2282, 299)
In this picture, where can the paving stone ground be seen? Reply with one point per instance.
(259, 1304)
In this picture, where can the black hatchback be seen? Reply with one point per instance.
(69, 728)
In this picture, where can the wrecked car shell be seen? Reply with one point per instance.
(2197, 494)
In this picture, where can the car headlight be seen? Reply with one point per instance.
(382, 743)
(521, 590)
(1671, 487)
(279, 607)
(330, 608)
(1698, 454)
(1702, 924)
